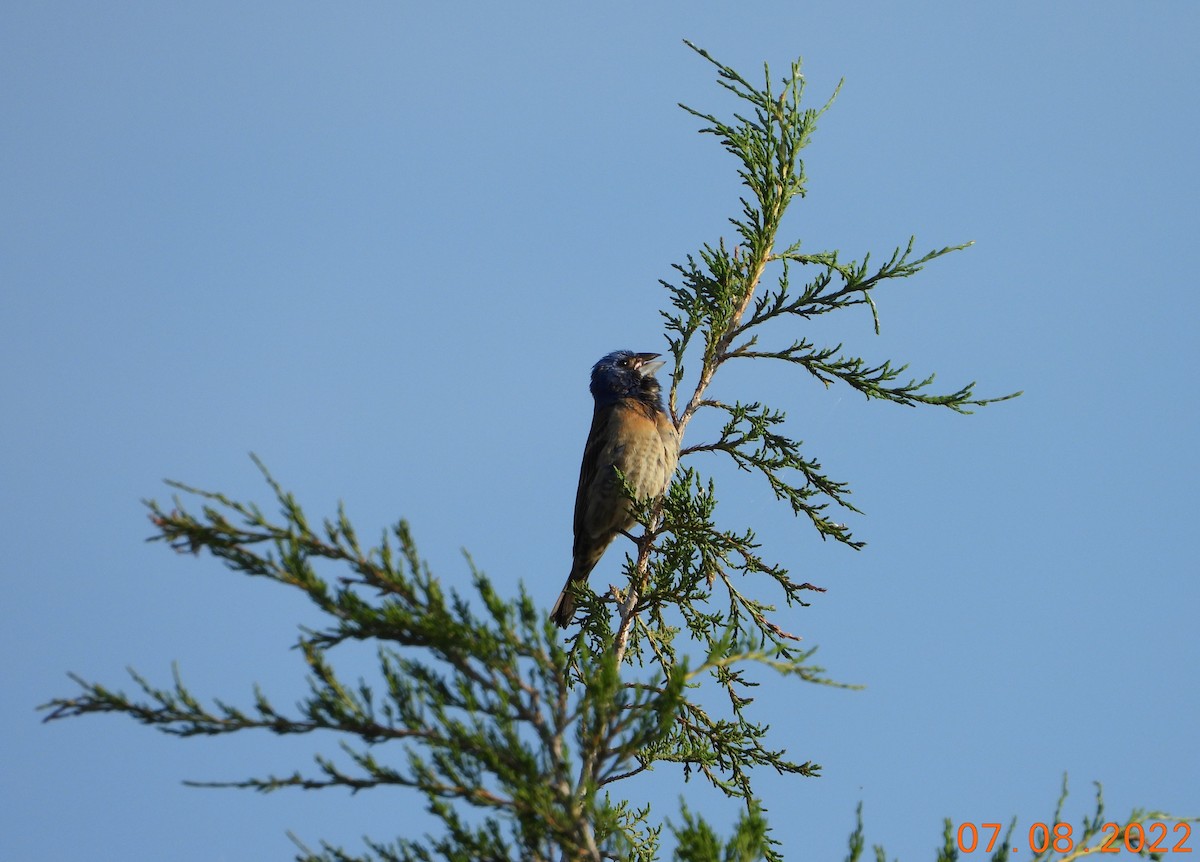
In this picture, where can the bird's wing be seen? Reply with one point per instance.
(597, 440)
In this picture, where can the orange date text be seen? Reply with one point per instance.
(1154, 837)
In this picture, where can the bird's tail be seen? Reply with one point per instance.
(564, 608)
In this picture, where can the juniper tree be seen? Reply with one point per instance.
(519, 740)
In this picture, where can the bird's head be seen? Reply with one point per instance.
(624, 374)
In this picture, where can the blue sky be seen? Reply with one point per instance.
(380, 245)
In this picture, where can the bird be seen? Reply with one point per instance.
(631, 432)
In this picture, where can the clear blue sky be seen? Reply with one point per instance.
(381, 244)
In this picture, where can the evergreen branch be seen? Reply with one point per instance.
(872, 381)
(485, 841)
(718, 303)
(823, 294)
(696, 841)
(178, 712)
(749, 440)
(485, 699)
(717, 747)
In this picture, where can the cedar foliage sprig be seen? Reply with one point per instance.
(478, 700)
(721, 305)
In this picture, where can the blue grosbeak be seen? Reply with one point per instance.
(632, 433)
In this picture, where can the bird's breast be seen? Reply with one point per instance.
(638, 449)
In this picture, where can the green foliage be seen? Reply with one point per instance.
(696, 841)
(519, 742)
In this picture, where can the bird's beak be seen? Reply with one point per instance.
(646, 367)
